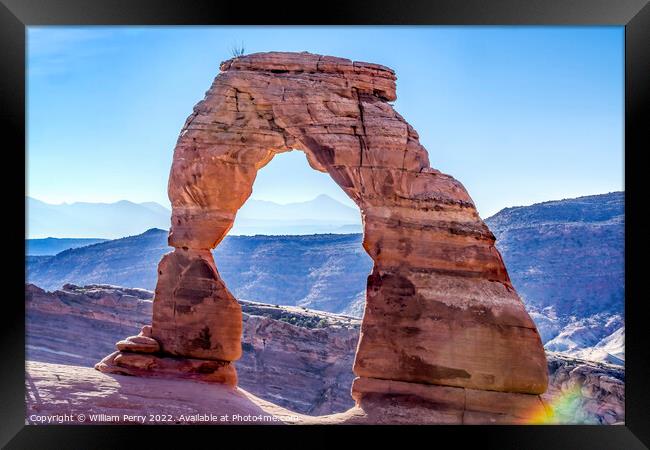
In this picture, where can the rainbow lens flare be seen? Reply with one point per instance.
(565, 407)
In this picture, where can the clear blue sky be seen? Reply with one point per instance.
(518, 114)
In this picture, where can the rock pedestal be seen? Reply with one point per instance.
(440, 308)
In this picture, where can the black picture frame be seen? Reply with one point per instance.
(16, 15)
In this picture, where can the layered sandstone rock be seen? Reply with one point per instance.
(440, 307)
(150, 365)
(193, 305)
(79, 325)
(391, 401)
(142, 343)
(141, 356)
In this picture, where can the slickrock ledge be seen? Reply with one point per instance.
(440, 307)
(55, 390)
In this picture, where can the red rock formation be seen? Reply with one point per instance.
(440, 307)
(194, 314)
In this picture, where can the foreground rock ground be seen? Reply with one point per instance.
(64, 392)
(443, 328)
(54, 389)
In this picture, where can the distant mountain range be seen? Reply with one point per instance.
(322, 214)
(564, 257)
(93, 220)
(52, 246)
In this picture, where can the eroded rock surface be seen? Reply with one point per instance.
(59, 390)
(79, 325)
(193, 305)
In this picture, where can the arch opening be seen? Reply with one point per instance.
(304, 271)
(320, 263)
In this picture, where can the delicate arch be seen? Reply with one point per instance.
(440, 306)
(442, 322)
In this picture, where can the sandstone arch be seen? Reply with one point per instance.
(440, 308)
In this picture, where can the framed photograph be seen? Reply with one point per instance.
(412, 218)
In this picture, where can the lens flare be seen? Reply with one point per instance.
(564, 407)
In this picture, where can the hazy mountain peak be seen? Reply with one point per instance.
(154, 231)
(92, 220)
(323, 214)
(324, 198)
